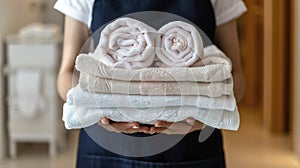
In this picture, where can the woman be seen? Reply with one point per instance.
(215, 17)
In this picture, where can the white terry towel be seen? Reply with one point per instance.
(180, 45)
(27, 96)
(76, 96)
(215, 66)
(76, 118)
(100, 85)
(126, 43)
(212, 56)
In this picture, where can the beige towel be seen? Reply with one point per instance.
(214, 70)
(95, 84)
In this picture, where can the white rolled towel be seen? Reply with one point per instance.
(180, 44)
(127, 43)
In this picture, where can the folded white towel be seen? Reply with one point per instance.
(75, 118)
(212, 56)
(27, 96)
(76, 96)
(214, 89)
(126, 43)
(180, 45)
(215, 66)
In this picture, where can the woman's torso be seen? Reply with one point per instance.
(188, 153)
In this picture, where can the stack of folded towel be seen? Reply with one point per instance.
(140, 74)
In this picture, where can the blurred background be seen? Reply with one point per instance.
(269, 136)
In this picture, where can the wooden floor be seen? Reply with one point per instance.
(250, 147)
(253, 147)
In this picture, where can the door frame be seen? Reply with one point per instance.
(295, 80)
(275, 70)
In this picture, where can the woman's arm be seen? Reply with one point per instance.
(75, 35)
(227, 39)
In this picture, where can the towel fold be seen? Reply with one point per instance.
(180, 45)
(76, 118)
(213, 55)
(95, 84)
(27, 97)
(215, 66)
(76, 96)
(126, 43)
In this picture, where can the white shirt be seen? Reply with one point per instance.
(225, 10)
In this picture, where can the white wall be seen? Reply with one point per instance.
(13, 14)
(51, 15)
(296, 129)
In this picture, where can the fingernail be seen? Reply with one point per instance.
(191, 121)
(103, 122)
(157, 125)
(135, 127)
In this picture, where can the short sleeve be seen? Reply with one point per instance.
(227, 10)
(77, 9)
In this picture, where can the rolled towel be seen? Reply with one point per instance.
(214, 67)
(80, 98)
(76, 118)
(180, 45)
(100, 85)
(126, 43)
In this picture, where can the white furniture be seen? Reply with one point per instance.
(43, 124)
(2, 116)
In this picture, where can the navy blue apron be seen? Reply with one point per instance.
(189, 152)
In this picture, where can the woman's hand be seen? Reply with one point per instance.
(182, 127)
(123, 127)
